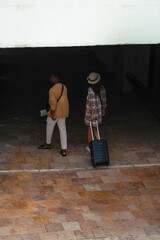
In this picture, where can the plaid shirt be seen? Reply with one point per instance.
(94, 102)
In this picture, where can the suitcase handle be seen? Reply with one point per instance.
(92, 130)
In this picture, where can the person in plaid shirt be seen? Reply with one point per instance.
(95, 104)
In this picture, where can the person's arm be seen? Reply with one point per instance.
(53, 115)
(52, 103)
(92, 115)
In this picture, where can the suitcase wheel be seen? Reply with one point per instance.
(107, 163)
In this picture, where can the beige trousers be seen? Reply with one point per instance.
(61, 122)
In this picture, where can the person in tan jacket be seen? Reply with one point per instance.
(59, 111)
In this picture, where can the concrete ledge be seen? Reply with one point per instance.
(80, 169)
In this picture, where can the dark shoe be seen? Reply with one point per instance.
(45, 146)
(63, 153)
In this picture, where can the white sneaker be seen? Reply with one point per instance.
(88, 149)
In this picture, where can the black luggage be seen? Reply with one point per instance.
(99, 149)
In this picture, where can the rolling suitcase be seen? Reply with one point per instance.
(99, 149)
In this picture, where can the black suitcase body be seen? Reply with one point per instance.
(99, 150)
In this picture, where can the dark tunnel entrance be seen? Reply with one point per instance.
(130, 75)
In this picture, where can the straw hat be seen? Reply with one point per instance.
(93, 78)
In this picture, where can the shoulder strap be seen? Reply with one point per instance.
(61, 93)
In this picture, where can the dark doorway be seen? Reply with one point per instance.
(132, 104)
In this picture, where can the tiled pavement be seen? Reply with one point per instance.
(138, 145)
(113, 204)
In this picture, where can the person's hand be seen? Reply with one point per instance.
(53, 116)
(91, 118)
(103, 112)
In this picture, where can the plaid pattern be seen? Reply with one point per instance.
(93, 102)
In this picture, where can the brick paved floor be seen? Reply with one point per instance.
(121, 204)
(139, 144)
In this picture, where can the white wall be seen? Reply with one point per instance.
(29, 23)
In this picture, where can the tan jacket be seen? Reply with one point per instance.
(61, 107)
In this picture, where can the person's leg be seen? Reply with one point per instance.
(89, 135)
(95, 132)
(49, 129)
(89, 139)
(63, 132)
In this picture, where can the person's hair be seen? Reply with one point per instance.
(55, 74)
(96, 88)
